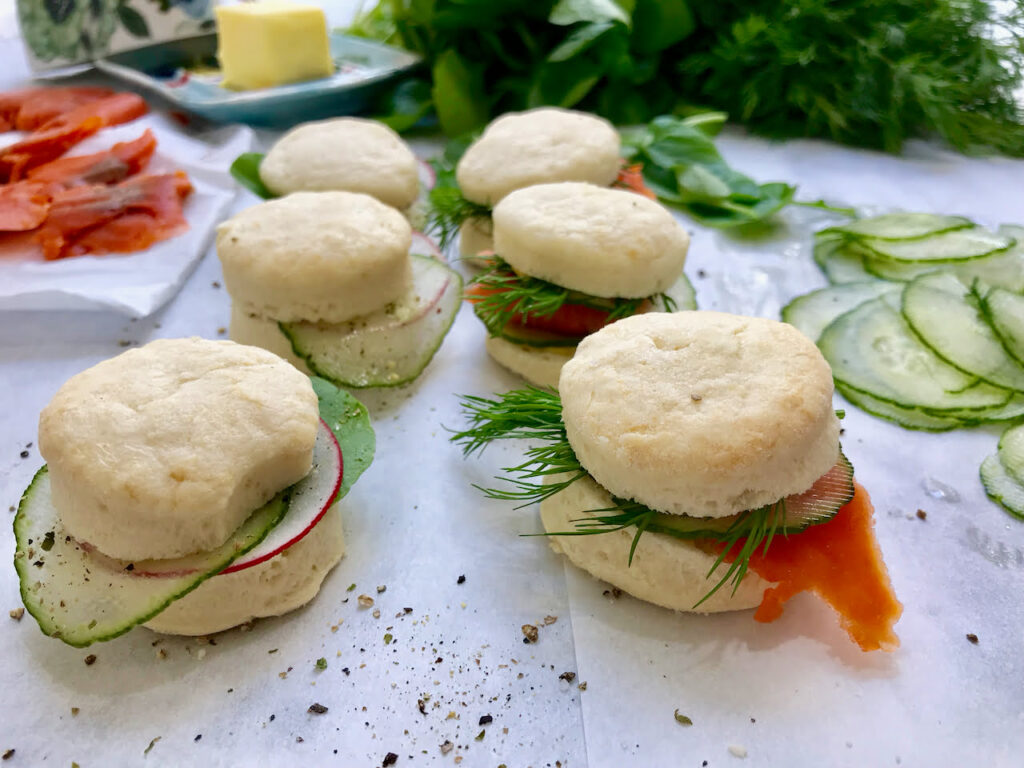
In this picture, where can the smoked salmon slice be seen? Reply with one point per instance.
(128, 217)
(108, 167)
(111, 110)
(30, 108)
(24, 205)
(43, 146)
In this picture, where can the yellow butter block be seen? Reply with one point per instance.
(271, 43)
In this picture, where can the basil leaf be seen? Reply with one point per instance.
(579, 40)
(246, 170)
(405, 105)
(659, 24)
(458, 95)
(568, 12)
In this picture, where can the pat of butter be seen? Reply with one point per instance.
(271, 43)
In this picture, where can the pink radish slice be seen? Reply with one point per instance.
(424, 245)
(428, 177)
(311, 498)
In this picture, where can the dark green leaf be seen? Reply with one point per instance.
(658, 24)
(349, 420)
(405, 105)
(458, 95)
(563, 83)
(246, 170)
(133, 21)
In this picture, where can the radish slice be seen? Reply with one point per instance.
(428, 176)
(311, 498)
(424, 245)
(391, 346)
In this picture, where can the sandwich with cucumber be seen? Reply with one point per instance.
(325, 280)
(568, 259)
(693, 460)
(190, 486)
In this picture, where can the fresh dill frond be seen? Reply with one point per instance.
(535, 413)
(506, 294)
(447, 208)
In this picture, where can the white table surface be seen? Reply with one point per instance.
(792, 693)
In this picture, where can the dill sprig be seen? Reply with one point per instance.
(448, 209)
(534, 413)
(507, 294)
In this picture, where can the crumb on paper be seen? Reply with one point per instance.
(972, 638)
(376, 613)
(549, 620)
(317, 709)
(582, 686)
(922, 515)
(365, 601)
(486, 720)
(17, 613)
(389, 759)
(614, 593)
(8, 754)
(382, 588)
(567, 676)
(529, 633)
(152, 744)
(75, 711)
(461, 579)
(90, 659)
(737, 750)
(446, 747)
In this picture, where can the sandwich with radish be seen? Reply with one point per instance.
(693, 460)
(190, 486)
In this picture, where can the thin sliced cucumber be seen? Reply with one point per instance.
(1004, 269)
(902, 226)
(840, 262)
(813, 312)
(945, 316)
(1002, 487)
(818, 504)
(82, 597)
(908, 418)
(390, 347)
(958, 245)
(1005, 312)
(681, 294)
(1011, 452)
(871, 349)
(1011, 410)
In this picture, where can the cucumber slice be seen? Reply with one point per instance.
(681, 292)
(902, 226)
(1012, 410)
(1011, 452)
(1002, 487)
(813, 312)
(1004, 269)
(840, 262)
(908, 418)
(1005, 312)
(82, 597)
(389, 347)
(872, 350)
(818, 504)
(945, 316)
(958, 245)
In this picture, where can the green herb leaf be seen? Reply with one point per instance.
(133, 21)
(458, 95)
(321, 664)
(683, 719)
(579, 40)
(405, 105)
(246, 170)
(659, 24)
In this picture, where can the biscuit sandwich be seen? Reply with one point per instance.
(190, 485)
(517, 150)
(693, 461)
(325, 280)
(568, 259)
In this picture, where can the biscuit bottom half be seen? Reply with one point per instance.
(538, 365)
(281, 584)
(665, 571)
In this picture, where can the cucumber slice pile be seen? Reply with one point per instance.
(80, 596)
(923, 325)
(1002, 473)
(681, 296)
(818, 504)
(391, 346)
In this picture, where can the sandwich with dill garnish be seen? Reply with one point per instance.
(569, 259)
(693, 460)
(517, 150)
